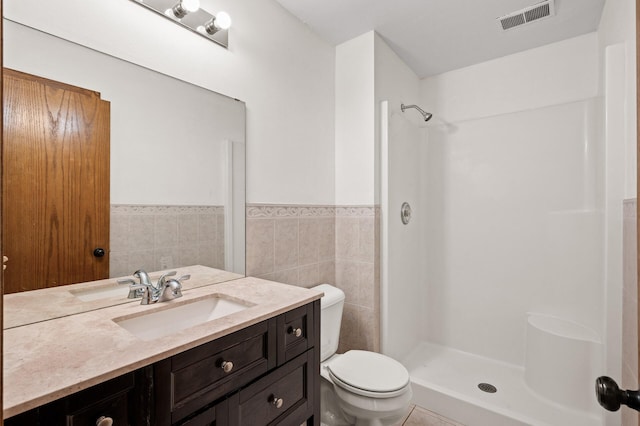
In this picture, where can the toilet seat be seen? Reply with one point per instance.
(369, 374)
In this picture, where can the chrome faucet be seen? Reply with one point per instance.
(143, 277)
(165, 289)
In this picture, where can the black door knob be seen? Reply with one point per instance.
(99, 252)
(610, 396)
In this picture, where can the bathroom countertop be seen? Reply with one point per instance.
(51, 359)
(49, 303)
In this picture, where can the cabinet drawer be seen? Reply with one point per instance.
(116, 408)
(208, 372)
(282, 397)
(212, 416)
(295, 333)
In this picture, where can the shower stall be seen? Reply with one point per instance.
(493, 260)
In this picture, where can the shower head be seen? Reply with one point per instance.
(427, 115)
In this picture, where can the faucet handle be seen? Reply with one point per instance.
(133, 293)
(176, 287)
(139, 290)
(184, 277)
(163, 278)
(172, 290)
(147, 293)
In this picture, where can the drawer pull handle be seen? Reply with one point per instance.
(104, 421)
(276, 402)
(226, 366)
(295, 331)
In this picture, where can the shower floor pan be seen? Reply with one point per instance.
(446, 381)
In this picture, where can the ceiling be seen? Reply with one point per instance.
(435, 36)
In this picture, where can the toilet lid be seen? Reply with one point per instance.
(369, 371)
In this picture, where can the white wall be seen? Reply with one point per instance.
(514, 208)
(618, 25)
(275, 64)
(367, 72)
(553, 74)
(355, 122)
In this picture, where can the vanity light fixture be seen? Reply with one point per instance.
(188, 14)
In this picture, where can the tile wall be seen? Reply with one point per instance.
(358, 275)
(308, 245)
(154, 237)
(292, 244)
(630, 308)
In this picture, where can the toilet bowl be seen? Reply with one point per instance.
(357, 387)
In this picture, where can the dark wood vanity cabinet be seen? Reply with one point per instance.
(265, 374)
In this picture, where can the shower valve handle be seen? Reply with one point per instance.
(610, 396)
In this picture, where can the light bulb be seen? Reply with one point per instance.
(223, 20)
(190, 5)
(183, 7)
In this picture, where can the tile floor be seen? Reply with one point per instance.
(420, 417)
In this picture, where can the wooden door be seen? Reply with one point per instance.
(55, 183)
(638, 168)
(1, 236)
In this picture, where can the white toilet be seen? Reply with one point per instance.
(357, 387)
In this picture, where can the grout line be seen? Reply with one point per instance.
(409, 416)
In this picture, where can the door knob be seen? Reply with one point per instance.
(99, 252)
(610, 396)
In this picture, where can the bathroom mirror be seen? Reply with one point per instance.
(177, 162)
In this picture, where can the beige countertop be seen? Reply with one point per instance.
(51, 359)
(45, 304)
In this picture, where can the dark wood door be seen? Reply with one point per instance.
(55, 183)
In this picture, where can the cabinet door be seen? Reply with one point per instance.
(283, 397)
(125, 399)
(120, 399)
(295, 333)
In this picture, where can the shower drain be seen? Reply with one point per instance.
(486, 387)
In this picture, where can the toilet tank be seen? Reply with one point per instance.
(331, 306)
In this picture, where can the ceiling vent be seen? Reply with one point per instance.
(527, 15)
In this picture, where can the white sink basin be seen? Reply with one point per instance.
(178, 317)
(105, 292)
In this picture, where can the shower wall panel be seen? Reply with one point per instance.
(513, 225)
(403, 267)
